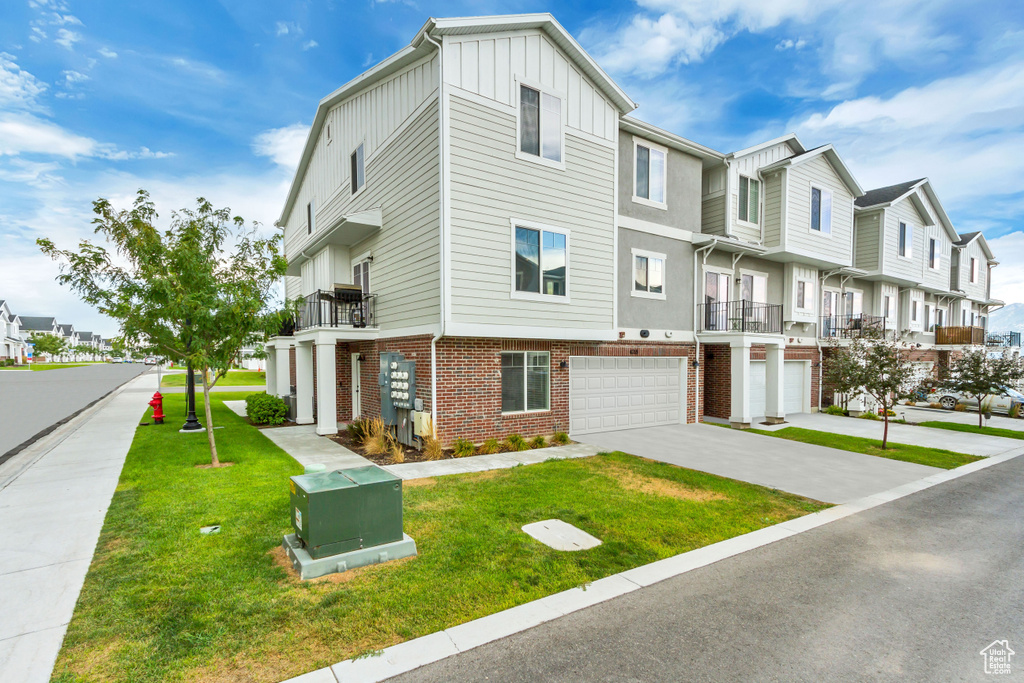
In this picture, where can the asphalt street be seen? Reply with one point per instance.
(910, 590)
(32, 402)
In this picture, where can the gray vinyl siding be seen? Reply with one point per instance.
(490, 186)
(773, 210)
(866, 241)
(712, 218)
(682, 188)
(675, 312)
(837, 247)
(910, 269)
(977, 290)
(746, 231)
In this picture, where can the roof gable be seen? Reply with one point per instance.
(830, 155)
(887, 196)
(790, 139)
(38, 323)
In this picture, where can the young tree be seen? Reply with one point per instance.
(978, 376)
(195, 292)
(49, 345)
(842, 371)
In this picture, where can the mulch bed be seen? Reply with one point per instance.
(411, 454)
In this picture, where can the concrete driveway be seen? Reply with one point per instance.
(916, 414)
(824, 474)
(961, 442)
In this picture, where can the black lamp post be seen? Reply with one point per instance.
(192, 423)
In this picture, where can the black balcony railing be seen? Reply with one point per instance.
(740, 316)
(1003, 339)
(850, 326)
(287, 328)
(325, 308)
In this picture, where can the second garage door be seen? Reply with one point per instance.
(607, 393)
(795, 386)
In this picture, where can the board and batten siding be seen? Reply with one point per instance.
(490, 186)
(866, 241)
(773, 210)
(488, 65)
(371, 117)
(836, 247)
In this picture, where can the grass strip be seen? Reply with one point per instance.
(974, 429)
(234, 378)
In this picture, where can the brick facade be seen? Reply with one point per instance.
(716, 360)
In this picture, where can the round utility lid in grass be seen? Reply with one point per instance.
(215, 529)
(561, 535)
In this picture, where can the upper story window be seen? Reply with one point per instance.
(933, 254)
(854, 302)
(821, 210)
(648, 274)
(329, 134)
(650, 177)
(890, 307)
(310, 218)
(913, 310)
(541, 262)
(358, 169)
(754, 288)
(974, 270)
(906, 241)
(540, 124)
(803, 295)
(750, 191)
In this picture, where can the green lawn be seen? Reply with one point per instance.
(933, 457)
(234, 378)
(163, 603)
(974, 429)
(61, 366)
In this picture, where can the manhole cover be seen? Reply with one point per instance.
(560, 535)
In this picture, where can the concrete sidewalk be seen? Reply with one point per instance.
(961, 442)
(54, 496)
(919, 414)
(309, 448)
(824, 474)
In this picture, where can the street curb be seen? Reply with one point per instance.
(413, 654)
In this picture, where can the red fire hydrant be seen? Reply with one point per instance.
(158, 408)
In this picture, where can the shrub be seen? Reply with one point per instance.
(264, 409)
(357, 431)
(835, 410)
(869, 416)
(488, 447)
(515, 442)
(538, 442)
(935, 405)
(910, 403)
(561, 438)
(1015, 410)
(378, 439)
(397, 453)
(961, 407)
(463, 448)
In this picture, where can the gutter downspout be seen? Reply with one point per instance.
(441, 127)
(696, 287)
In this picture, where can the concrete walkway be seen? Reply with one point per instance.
(309, 448)
(961, 442)
(496, 461)
(53, 499)
(824, 474)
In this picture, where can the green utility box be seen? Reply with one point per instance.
(343, 510)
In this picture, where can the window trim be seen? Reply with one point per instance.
(640, 142)
(720, 270)
(352, 179)
(810, 203)
(754, 273)
(937, 261)
(539, 87)
(909, 256)
(539, 296)
(639, 293)
(526, 364)
(760, 194)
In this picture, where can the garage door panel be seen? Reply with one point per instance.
(617, 393)
(794, 387)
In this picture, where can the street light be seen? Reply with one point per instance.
(192, 423)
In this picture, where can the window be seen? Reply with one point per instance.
(309, 218)
(749, 191)
(854, 303)
(541, 261)
(927, 318)
(940, 317)
(525, 381)
(328, 133)
(963, 317)
(358, 169)
(890, 307)
(649, 181)
(361, 275)
(829, 304)
(648, 274)
(540, 124)
(821, 211)
(906, 240)
(716, 298)
(754, 288)
(913, 311)
(974, 270)
(933, 254)
(803, 294)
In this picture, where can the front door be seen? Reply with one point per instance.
(716, 298)
(357, 408)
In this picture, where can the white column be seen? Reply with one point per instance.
(271, 371)
(304, 383)
(326, 390)
(284, 373)
(774, 383)
(740, 385)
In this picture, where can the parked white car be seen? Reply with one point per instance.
(998, 402)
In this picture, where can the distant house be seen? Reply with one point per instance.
(12, 346)
(32, 325)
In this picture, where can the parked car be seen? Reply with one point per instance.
(998, 402)
(150, 360)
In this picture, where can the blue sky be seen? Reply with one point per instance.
(213, 98)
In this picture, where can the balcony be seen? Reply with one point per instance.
(851, 326)
(337, 308)
(740, 316)
(960, 335)
(1003, 339)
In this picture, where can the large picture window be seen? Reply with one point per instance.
(525, 381)
(541, 261)
(649, 182)
(540, 124)
(750, 191)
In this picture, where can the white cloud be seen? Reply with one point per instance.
(282, 145)
(107, 52)
(28, 134)
(38, 35)
(310, 45)
(67, 38)
(1008, 277)
(73, 77)
(283, 28)
(648, 47)
(18, 88)
(789, 44)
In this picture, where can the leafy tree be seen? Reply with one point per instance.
(842, 372)
(976, 375)
(49, 345)
(193, 293)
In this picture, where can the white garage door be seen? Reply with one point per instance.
(607, 393)
(794, 387)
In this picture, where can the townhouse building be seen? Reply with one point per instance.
(478, 232)
(12, 346)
